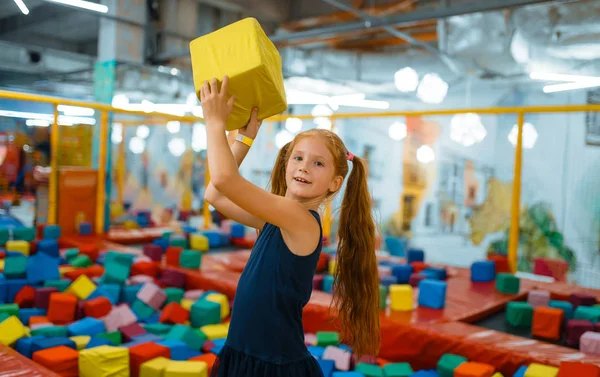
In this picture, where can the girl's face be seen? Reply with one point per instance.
(310, 172)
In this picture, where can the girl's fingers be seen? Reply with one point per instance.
(214, 88)
(224, 85)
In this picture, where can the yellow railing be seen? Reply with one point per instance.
(105, 109)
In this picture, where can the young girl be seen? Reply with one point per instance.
(266, 337)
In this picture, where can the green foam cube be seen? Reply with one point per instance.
(397, 370)
(70, 254)
(508, 283)
(383, 292)
(328, 338)
(447, 363)
(190, 259)
(519, 314)
(173, 294)
(190, 337)
(15, 267)
(4, 236)
(117, 267)
(10, 309)
(565, 306)
(159, 329)
(204, 312)
(179, 242)
(23, 234)
(81, 261)
(61, 285)
(167, 235)
(4, 316)
(142, 310)
(369, 370)
(51, 331)
(589, 313)
(115, 337)
(202, 334)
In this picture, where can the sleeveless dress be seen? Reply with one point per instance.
(266, 336)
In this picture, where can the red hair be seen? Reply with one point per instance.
(356, 280)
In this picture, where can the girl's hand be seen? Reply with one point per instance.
(215, 104)
(251, 129)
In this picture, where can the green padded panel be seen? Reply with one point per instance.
(328, 338)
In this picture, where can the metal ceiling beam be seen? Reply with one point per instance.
(399, 19)
(43, 13)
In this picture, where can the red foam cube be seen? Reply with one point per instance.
(145, 268)
(129, 331)
(62, 308)
(173, 253)
(25, 297)
(174, 313)
(144, 352)
(62, 360)
(575, 369)
(97, 307)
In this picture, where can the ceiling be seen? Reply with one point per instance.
(360, 43)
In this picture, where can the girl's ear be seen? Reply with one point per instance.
(336, 184)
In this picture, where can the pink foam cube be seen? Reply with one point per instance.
(140, 279)
(384, 271)
(341, 357)
(226, 226)
(129, 331)
(151, 295)
(590, 343)
(193, 294)
(119, 316)
(310, 339)
(538, 298)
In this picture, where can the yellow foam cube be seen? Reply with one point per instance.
(81, 341)
(198, 242)
(539, 370)
(130, 225)
(104, 361)
(155, 367)
(242, 51)
(64, 269)
(497, 374)
(1, 264)
(218, 331)
(11, 330)
(222, 300)
(186, 303)
(18, 246)
(332, 266)
(186, 368)
(401, 296)
(82, 287)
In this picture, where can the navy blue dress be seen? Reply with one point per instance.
(266, 336)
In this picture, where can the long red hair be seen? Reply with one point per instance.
(356, 281)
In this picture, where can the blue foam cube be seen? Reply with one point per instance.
(151, 319)
(145, 338)
(238, 230)
(101, 258)
(387, 263)
(483, 271)
(214, 238)
(86, 326)
(402, 272)
(316, 351)
(388, 280)
(216, 349)
(48, 246)
(26, 313)
(225, 240)
(176, 346)
(436, 273)
(188, 229)
(51, 232)
(328, 284)
(347, 374)
(42, 267)
(13, 286)
(396, 246)
(162, 242)
(327, 367)
(432, 293)
(97, 342)
(23, 345)
(3, 289)
(521, 372)
(425, 373)
(85, 228)
(101, 292)
(186, 353)
(565, 306)
(129, 293)
(42, 344)
(113, 291)
(415, 255)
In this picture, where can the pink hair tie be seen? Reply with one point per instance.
(349, 156)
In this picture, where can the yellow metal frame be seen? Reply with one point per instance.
(105, 109)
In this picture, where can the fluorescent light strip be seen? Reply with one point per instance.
(83, 4)
(62, 119)
(561, 77)
(76, 110)
(22, 7)
(570, 86)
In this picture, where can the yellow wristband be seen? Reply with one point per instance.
(244, 139)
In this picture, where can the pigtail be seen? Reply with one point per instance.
(356, 287)
(277, 180)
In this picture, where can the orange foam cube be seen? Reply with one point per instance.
(90, 249)
(174, 313)
(61, 360)
(472, 369)
(209, 359)
(25, 297)
(547, 322)
(575, 368)
(97, 307)
(145, 268)
(144, 352)
(62, 308)
(38, 319)
(94, 271)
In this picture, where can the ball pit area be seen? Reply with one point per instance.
(86, 307)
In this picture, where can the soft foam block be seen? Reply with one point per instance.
(18, 246)
(145, 352)
(173, 278)
(152, 295)
(415, 279)
(473, 369)
(86, 326)
(190, 259)
(415, 255)
(590, 343)
(342, 358)
(588, 313)
(223, 302)
(155, 367)
(519, 314)
(119, 316)
(432, 294)
(11, 330)
(537, 298)
(448, 363)
(401, 297)
(565, 306)
(117, 267)
(82, 287)
(62, 307)
(507, 283)
(218, 331)
(61, 360)
(199, 242)
(575, 369)
(104, 361)
(48, 246)
(539, 370)
(190, 337)
(483, 271)
(397, 370)
(547, 323)
(369, 370)
(402, 272)
(582, 299)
